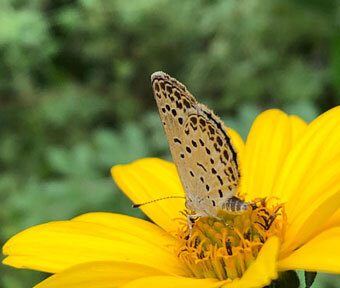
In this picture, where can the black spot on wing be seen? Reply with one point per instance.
(226, 155)
(193, 119)
(202, 166)
(177, 94)
(219, 140)
(211, 130)
(226, 137)
(217, 148)
(186, 103)
(179, 104)
(203, 122)
(220, 179)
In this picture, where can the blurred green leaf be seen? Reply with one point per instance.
(335, 63)
(287, 279)
(310, 278)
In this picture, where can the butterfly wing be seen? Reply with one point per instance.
(200, 146)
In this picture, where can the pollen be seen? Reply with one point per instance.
(224, 248)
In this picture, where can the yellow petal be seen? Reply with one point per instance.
(135, 229)
(334, 221)
(260, 274)
(150, 179)
(171, 282)
(318, 145)
(237, 141)
(268, 143)
(55, 246)
(298, 128)
(322, 198)
(263, 270)
(322, 254)
(105, 274)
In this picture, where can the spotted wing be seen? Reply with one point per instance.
(200, 146)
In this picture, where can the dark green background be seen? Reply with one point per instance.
(75, 94)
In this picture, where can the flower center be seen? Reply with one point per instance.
(224, 248)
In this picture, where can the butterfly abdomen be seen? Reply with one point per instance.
(235, 205)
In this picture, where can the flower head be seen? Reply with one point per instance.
(290, 176)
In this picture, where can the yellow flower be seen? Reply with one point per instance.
(293, 167)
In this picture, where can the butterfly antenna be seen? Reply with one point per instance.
(155, 200)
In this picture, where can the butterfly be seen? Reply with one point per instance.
(201, 148)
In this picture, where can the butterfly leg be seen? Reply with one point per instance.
(273, 216)
(269, 219)
(190, 218)
(253, 204)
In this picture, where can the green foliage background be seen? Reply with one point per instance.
(75, 95)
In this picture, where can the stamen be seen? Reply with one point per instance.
(225, 248)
